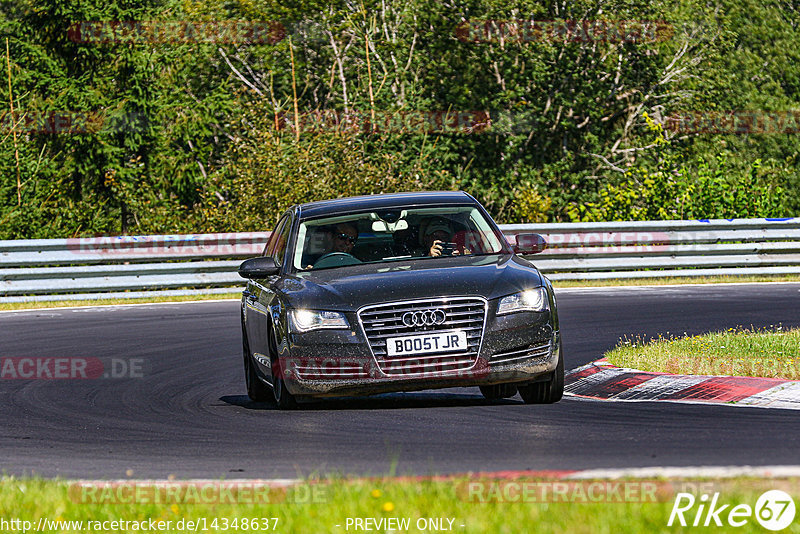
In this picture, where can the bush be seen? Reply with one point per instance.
(668, 187)
(274, 170)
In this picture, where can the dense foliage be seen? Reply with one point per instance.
(154, 133)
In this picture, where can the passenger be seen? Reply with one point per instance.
(438, 235)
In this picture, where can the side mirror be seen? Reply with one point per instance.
(260, 267)
(529, 244)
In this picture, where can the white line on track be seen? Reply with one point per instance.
(714, 472)
(766, 471)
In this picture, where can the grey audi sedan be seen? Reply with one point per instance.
(399, 292)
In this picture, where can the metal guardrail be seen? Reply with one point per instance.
(648, 249)
(135, 266)
(124, 266)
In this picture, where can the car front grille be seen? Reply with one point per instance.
(385, 321)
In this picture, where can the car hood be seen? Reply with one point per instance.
(349, 288)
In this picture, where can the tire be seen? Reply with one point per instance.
(283, 399)
(546, 392)
(257, 390)
(498, 391)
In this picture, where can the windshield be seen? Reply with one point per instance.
(394, 235)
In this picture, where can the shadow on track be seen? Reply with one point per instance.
(389, 401)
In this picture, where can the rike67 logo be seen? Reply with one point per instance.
(774, 510)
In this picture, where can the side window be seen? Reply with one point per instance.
(269, 250)
(277, 246)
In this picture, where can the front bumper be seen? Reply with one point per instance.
(516, 348)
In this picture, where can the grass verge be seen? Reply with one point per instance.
(6, 306)
(462, 505)
(557, 284)
(676, 280)
(771, 353)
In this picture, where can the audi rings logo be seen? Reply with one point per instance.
(424, 318)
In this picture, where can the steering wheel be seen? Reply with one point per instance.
(336, 259)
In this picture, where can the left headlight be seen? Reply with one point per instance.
(305, 320)
(528, 300)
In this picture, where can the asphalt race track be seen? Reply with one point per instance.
(188, 414)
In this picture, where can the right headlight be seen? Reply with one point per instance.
(305, 320)
(529, 300)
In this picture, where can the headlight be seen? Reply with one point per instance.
(305, 320)
(528, 300)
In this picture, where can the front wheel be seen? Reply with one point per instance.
(256, 389)
(283, 399)
(546, 392)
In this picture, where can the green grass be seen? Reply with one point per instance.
(6, 306)
(335, 501)
(773, 353)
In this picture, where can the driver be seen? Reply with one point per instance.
(344, 239)
(341, 238)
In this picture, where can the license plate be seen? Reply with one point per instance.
(427, 343)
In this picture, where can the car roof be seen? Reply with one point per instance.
(322, 208)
